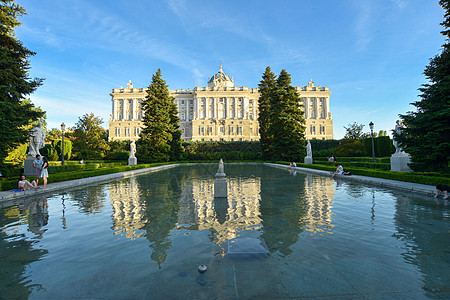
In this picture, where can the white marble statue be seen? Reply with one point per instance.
(398, 126)
(37, 139)
(308, 149)
(221, 168)
(132, 149)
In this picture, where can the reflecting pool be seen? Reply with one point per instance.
(144, 237)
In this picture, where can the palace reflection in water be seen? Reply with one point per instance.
(185, 202)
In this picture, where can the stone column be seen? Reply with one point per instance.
(114, 109)
(245, 106)
(124, 109)
(236, 107)
(316, 108)
(225, 108)
(306, 108)
(254, 109)
(327, 101)
(196, 109)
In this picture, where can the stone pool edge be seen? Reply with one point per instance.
(6, 196)
(381, 182)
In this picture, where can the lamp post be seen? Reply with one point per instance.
(371, 134)
(63, 127)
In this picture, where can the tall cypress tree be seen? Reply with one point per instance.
(265, 88)
(15, 85)
(427, 134)
(176, 148)
(160, 115)
(287, 122)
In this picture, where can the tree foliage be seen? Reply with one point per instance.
(266, 86)
(355, 132)
(15, 111)
(286, 125)
(160, 137)
(89, 138)
(426, 136)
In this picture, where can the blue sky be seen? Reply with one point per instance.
(370, 53)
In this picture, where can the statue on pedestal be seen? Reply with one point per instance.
(132, 149)
(308, 149)
(132, 160)
(400, 159)
(398, 130)
(36, 137)
(308, 159)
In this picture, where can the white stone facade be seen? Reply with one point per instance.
(219, 111)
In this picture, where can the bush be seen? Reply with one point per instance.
(350, 147)
(384, 160)
(318, 145)
(118, 155)
(215, 150)
(384, 146)
(416, 177)
(18, 154)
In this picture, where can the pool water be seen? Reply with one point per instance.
(144, 237)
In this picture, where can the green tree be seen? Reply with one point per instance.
(89, 138)
(382, 133)
(160, 137)
(16, 112)
(287, 122)
(355, 132)
(53, 134)
(426, 136)
(176, 147)
(266, 86)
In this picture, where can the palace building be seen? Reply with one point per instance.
(217, 112)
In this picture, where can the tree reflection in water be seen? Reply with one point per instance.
(17, 250)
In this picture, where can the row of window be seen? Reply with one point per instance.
(231, 130)
(312, 129)
(127, 131)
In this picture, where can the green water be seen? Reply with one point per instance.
(143, 238)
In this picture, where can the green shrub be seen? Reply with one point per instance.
(18, 154)
(416, 177)
(64, 176)
(350, 147)
(384, 146)
(118, 155)
(318, 145)
(385, 160)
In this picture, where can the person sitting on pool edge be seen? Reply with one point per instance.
(24, 184)
(339, 171)
(444, 188)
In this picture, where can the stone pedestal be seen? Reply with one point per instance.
(400, 163)
(132, 161)
(220, 184)
(308, 160)
(220, 188)
(28, 168)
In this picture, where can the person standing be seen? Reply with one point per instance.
(37, 164)
(44, 171)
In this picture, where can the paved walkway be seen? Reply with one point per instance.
(8, 196)
(58, 187)
(402, 185)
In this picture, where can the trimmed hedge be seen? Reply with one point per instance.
(415, 177)
(57, 177)
(383, 160)
(227, 150)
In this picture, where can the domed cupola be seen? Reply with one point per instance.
(221, 79)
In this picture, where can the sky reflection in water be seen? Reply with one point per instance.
(162, 217)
